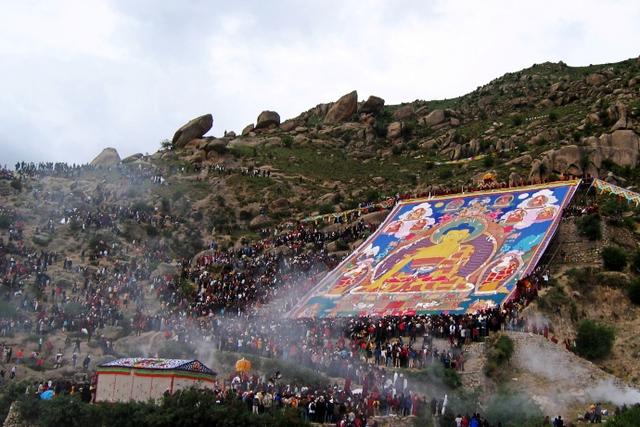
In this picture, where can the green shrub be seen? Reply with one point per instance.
(245, 215)
(191, 407)
(327, 208)
(555, 300)
(612, 279)
(488, 161)
(341, 245)
(614, 258)
(436, 374)
(634, 291)
(517, 120)
(372, 195)
(5, 222)
(613, 207)
(581, 279)
(594, 340)
(446, 173)
(287, 141)
(151, 230)
(553, 116)
(627, 417)
(499, 349)
(16, 184)
(590, 226)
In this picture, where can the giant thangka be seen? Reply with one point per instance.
(454, 254)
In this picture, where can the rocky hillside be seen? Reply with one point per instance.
(544, 121)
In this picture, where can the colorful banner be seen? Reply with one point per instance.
(451, 254)
(604, 187)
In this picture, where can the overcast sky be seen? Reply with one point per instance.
(78, 76)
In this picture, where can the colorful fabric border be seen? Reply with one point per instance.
(604, 187)
(188, 365)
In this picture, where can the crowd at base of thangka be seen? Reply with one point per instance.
(453, 254)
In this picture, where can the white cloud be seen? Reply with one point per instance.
(81, 75)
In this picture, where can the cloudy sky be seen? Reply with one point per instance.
(80, 75)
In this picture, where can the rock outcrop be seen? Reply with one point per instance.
(267, 119)
(621, 147)
(394, 130)
(434, 118)
(373, 105)
(248, 129)
(342, 109)
(194, 129)
(108, 157)
(404, 113)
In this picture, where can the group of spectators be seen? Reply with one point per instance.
(219, 297)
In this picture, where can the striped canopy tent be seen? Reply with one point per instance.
(141, 379)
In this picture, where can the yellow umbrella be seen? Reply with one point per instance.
(243, 365)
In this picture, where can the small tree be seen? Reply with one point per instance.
(590, 226)
(634, 291)
(594, 340)
(614, 258)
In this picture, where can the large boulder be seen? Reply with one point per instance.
(288, 125)
(622, 119)
(343, 108)
(108, 157)
(394, 130)
(373, 105)
(514, 179)
(260, 221)
(434, 118)
(595, 79)
(132, 158)
(247, 129)
(267, 119)
(216, 144)
(404, 113)
(194, 129)
(621, 147)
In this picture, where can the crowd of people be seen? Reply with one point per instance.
(225, 297)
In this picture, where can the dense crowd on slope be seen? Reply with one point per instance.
(135, 173)
(224, 308)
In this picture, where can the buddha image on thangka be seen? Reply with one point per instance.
(425, 250)
(458, 254)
